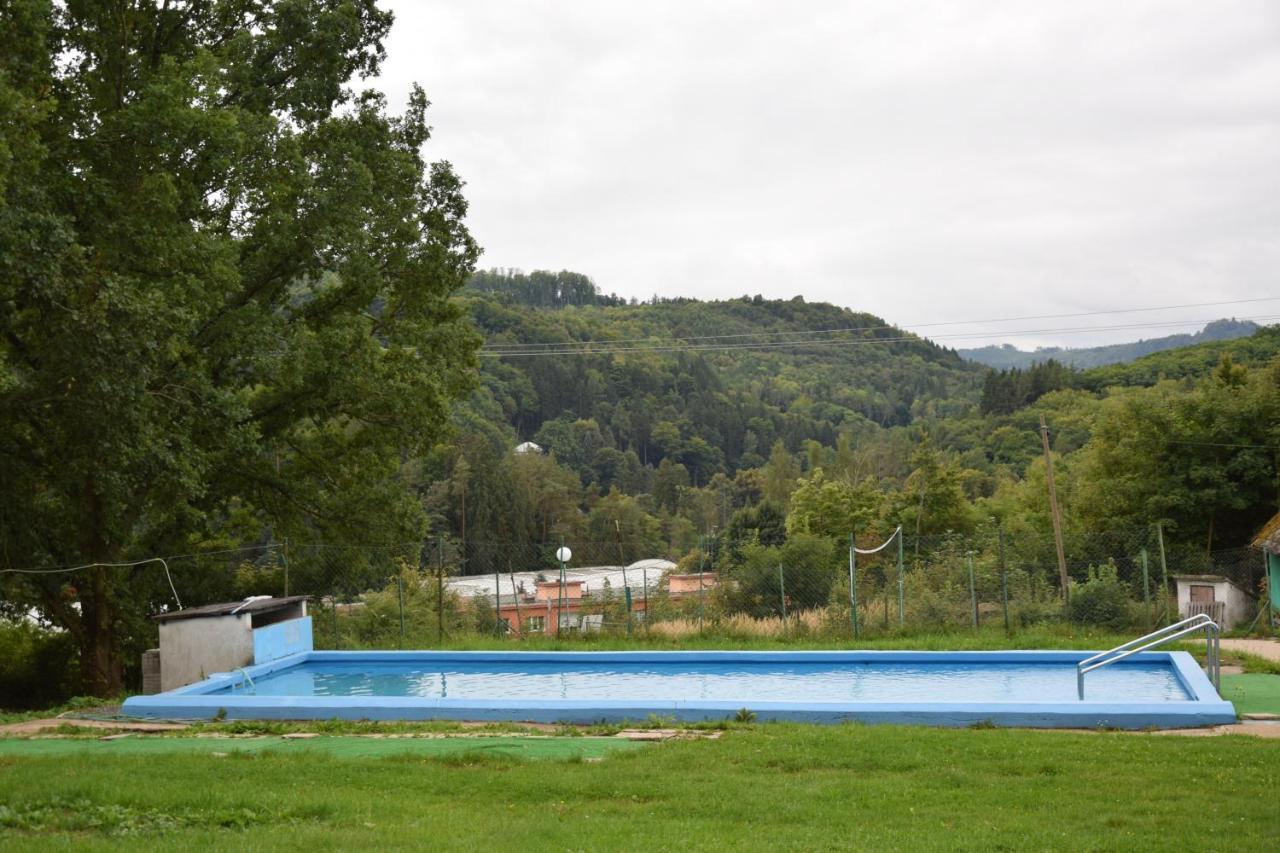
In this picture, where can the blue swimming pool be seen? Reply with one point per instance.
(942, 688)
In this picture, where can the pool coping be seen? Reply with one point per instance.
(195, 701)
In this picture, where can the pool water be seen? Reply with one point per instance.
(819, 682)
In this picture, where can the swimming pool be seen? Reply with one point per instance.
(1012, 688)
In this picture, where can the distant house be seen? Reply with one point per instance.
(528, 447)
(1268, 541)
(534, 601)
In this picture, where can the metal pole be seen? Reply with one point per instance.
(440, 591)
(853, 586)
(286, 568)
(702, 556)
(973, 590)
(1146, 587)
(901, 597)
(782, 593)
(644, 577)
(1164, 574)
(515, 595)
(497, 602)
(560, 598)
(1004, 578)
(400, 594)
(335, 618)
(1053, 512)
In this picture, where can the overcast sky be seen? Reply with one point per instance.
(925, 161)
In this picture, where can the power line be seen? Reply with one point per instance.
(604, 348)
(764, 334)
(1221, 444)
(64, 569)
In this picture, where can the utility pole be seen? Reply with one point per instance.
(1053, 511)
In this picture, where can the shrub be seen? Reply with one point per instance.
(1102, 600)
(38, 667)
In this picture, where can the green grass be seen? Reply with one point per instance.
(758, 788)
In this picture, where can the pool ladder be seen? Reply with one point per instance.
(1190, 625)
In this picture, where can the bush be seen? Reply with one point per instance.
(38, 667)
(1102, 600)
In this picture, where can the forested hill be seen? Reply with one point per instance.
(1007, 356)
(711, 384)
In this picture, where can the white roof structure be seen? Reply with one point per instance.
(593, 578)
(528, 447)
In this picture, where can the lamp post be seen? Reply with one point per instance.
(564, 555)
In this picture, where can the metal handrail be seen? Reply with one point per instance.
(1191, 624)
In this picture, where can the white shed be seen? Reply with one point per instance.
(1226, 603)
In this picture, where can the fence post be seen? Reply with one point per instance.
(1146, 587)
(644, 579)
(515, 596)
(1164, 574)
(286, 568)
(497, 602)
(702, 556)
(853, 585)
(782, 594)
(400, 595)
(1004, 578)
(336, 644)
(440, 591)
(901, 599)
(973, 589)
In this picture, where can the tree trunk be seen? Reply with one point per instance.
(101, 666)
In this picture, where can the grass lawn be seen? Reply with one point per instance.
(757, 787)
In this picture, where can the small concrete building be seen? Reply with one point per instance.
(199, 641)
(1222, 600)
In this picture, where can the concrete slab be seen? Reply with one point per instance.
(35, 727)
(1269, 649)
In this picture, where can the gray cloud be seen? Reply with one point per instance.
(927, 161)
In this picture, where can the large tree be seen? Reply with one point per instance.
(225, 281)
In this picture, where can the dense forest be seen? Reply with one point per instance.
(676, 419)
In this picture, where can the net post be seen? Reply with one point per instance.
(782, 594)
(439, 591)
(901, 594)
(853, 585)
(400, 596)
(973, 589)
(1146, 587)
(1004, 578)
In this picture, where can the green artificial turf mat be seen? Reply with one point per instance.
(526, 748)
(1252, 693)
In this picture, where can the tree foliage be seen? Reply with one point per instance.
(225, 282)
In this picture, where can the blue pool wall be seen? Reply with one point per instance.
(1204, 707)
(282, 640)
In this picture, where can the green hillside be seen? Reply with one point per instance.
(669, 419)
(1004, 356)
(748, 373)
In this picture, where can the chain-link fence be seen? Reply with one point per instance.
(439, 590)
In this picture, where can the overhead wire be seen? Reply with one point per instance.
(606, 347)
(502, 347)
